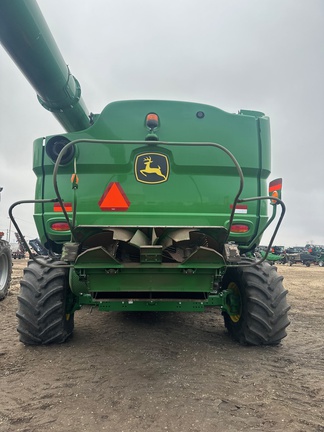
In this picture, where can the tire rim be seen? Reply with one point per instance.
(234, 292)
(4, 270)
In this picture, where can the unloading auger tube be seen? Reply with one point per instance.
(206, 144)
(26, 37)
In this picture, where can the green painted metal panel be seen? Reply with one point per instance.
(218, 301)
(202, 181)
(142, 279)
(146, 306)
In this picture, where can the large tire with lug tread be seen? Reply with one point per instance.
(5, 268)
(263, 315)
(42, 317)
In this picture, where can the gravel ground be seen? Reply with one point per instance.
(166, 371)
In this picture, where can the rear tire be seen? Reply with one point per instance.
(263, 316)
(42, 317)
(5, 268)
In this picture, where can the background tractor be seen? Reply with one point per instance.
(152, 205)
(275, 255)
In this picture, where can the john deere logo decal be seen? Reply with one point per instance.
(151, 168)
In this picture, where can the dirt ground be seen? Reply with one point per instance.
(165, 372)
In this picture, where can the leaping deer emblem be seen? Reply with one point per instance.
(151, 170)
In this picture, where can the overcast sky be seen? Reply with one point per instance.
(265, 55)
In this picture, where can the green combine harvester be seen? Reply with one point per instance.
(152, 205)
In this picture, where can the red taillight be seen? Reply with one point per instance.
(60, 226)
(239, 228)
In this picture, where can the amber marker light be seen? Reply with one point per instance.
(152, 121)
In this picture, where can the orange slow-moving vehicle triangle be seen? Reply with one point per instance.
(114, 198)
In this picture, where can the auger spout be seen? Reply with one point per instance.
(26, 37)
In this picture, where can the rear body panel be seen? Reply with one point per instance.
(195, 185)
